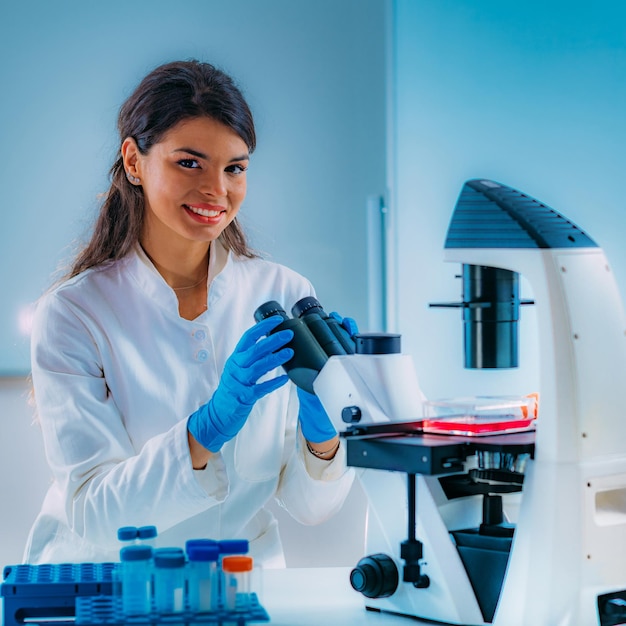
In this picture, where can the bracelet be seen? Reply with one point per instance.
(321, 455)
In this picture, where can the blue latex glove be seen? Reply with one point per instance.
(347, 322)
(314, 421)
(223, 416)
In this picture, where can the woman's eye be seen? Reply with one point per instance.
(237, 168)
(189, 163)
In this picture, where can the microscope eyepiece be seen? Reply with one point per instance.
(268, 309)
(306, 305)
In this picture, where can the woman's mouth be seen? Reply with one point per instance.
(204, 211)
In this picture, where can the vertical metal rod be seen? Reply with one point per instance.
(412, 503)
(377, 269)
(384, 241)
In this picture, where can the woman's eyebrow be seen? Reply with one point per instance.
(201, 155)
(191, 151)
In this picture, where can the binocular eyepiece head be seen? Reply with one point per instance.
(317, 336)
(269, 309)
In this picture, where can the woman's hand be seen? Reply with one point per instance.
(256, 354)
(316, 427)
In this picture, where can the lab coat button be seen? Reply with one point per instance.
(202, 356)
(200, 335)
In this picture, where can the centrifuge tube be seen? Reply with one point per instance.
(135, 579)
(202, 577)
(169, 580)
(237, 572)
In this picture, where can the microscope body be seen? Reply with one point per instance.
(564, 564)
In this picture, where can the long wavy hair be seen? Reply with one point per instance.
(169, 94)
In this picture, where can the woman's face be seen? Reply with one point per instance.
(194, 181)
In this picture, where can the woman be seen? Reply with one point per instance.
(159, 400)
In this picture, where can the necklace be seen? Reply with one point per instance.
(191, 286)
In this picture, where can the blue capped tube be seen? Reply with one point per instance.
(147, 535)
(136, 571)
(169, 580)
(202, 577)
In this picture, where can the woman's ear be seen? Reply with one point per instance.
(130, 158)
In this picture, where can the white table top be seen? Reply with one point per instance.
(312, 597)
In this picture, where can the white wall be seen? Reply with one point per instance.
(25, 474)
(314, 74)
(531, 94)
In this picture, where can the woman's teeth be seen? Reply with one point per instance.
(203, 212)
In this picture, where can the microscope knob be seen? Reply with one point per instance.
(375, 576)
(351, 414)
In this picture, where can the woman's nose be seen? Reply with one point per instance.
(214, 182)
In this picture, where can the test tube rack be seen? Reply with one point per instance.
(73, 594)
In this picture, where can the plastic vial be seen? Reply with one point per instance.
(147, 535)
(200, 542)
(169, 580)
(202, 577)
(237, 574)
(233, 546)
(136, 572)
(127, 534)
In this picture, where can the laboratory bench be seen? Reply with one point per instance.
(314, 596)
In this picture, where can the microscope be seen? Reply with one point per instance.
(522, 523)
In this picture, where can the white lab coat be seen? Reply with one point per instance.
(117, 372)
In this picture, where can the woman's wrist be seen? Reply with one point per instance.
(326, 450)
(199, 454)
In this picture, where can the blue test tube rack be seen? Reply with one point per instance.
(81, 594)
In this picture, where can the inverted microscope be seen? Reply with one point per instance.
(514, 516)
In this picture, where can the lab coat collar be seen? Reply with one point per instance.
(145, 274)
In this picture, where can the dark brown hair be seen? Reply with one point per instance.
(169, 94)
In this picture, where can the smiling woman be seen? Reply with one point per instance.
(193, 182)
(160, 403)
(191, 194)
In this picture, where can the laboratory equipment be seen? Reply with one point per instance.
(202, 577)
(481, 415)
(233, 546)
(135, 578)
(169, 580)
(329, 333)
(127, 535)
(309, 357)
(512, 528)
(237, 580)
(147, 535)
(156, 590)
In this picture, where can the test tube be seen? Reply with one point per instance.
(127, 534)
(233, 546)
(136, 573)
(200, 542)
(228, 547)
(169, 580)
(237, 573)
(202, 587)
(147, 535)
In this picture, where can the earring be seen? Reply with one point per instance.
(134, 180)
